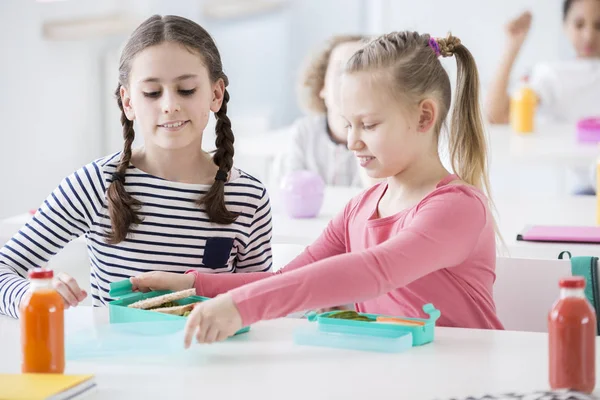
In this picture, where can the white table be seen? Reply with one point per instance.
(266, 364)
(548, 161)
(305, 230)
(518, 211)
(550, 143)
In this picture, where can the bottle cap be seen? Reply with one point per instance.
(41, 273)
(572, 282)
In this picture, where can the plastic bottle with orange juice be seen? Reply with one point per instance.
(42, 326)
(572, 338)
(522, 108)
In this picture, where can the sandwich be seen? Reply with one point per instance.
(167, 303)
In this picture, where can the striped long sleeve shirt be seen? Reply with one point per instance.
(175, 234)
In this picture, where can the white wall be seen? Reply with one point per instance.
(48, 107)
(56, 107)
(480, 26)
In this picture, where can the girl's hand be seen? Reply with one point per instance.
(69, 289)
(160, 280)
(213, 321)
(518, 28)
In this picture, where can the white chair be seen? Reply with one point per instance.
(525, 290)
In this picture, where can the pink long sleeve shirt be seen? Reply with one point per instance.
(440, 251)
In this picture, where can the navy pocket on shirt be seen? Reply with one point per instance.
(217, 251)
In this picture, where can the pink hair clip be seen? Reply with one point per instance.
(434, 45)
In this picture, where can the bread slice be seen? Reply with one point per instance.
(155, 302)
(177, 310)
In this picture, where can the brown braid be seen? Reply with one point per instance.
(122, 206)
(214, 200)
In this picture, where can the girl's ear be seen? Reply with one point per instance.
(127, 105)
(428, 111)
(218, 92)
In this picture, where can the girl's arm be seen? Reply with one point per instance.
(443, 233)
(331, 242)
(498, 100)
(65, 215)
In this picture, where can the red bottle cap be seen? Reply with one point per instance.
(40, 273)
(572, 282)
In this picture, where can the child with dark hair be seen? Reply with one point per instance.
(167, 206)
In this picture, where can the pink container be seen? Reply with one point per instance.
(301, 194)
(588, 130)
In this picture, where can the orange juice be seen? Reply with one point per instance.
(572, 339)
(522, 109)
(42, 326)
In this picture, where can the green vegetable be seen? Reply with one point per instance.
(352, 315)
(164, 305)
(185, 314)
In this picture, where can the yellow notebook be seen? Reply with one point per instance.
(45, 386)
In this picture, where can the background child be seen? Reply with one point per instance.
(568, 90)
(318, 142)
(423, 236)
(169, 205)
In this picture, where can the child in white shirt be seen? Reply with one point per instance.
(567, 91)
(317, 142)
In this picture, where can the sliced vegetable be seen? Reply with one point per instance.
(399, 321)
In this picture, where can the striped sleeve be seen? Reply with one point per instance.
(66, 214)
(256, 256)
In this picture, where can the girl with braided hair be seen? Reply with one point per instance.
(424, 235)
(167, 206)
